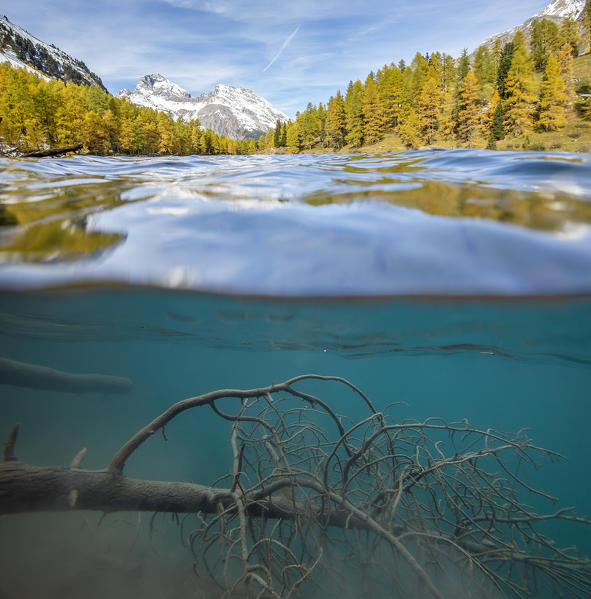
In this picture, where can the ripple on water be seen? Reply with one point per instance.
(422, 222)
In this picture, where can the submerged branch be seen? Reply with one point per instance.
(412, 500)
(33, 376)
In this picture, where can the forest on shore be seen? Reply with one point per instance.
(36, 112)
(510, 92)
(507, 96)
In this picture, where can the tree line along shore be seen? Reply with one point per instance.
(525, 94)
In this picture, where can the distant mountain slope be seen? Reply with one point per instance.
(235, 112)
(21, 49)
(555, 11)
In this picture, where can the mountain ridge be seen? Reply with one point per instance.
(235, 112)
(21, 49)
(556, 11)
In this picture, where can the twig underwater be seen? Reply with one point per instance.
(426, 509)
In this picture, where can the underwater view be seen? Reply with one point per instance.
(384, 364)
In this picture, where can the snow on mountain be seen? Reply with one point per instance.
(21, 49)
(563, 8)
(236, 112)
(555, 11)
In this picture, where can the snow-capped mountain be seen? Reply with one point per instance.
(21, 49)
(555, 11)
(236, 112)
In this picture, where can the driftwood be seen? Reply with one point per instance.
(429, 509)
(33, 376)
(53, 151)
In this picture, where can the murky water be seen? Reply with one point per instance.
(397, 230)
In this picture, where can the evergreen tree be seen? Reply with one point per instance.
(283, 139)
(463, 66)
(505, 61)
(498, 127)
(553, 97)
(484, 67)
(335, 127)
(277, 134)
(468, 108)
(429, 106)
(519, 90)
(545, 38)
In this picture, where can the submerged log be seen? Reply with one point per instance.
(53, 151)
(33, 376)
(431, 497)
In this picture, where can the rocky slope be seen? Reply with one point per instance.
(21, 49)
(555, 11)
(236, 112)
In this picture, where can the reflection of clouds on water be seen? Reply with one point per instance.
(423, 222)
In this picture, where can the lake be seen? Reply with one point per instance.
(453, 283)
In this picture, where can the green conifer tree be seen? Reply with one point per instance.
(463, 65)
(498, 126)
(545, 38)
(505, 61)
(484, 67)
(277, 134)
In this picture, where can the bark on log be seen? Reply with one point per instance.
(32, 376)
(25, 488)
(53, 151)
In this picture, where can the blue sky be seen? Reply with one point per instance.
(290, 52)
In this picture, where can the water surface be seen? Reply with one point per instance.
(466, 274)
(431, 222)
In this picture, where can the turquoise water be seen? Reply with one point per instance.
(511, 228)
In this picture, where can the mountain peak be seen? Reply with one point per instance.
(235, 112)
(563, 8)
(160, 85)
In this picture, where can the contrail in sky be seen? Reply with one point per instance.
(285, 44)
